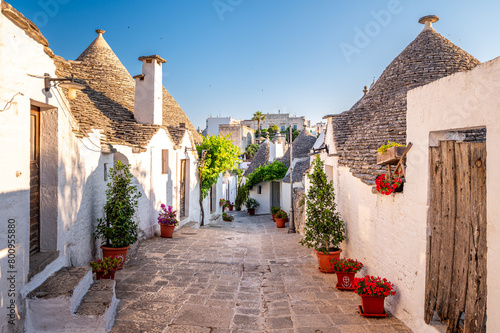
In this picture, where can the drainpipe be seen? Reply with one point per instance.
(291, 225)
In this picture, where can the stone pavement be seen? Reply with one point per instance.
(240, 276)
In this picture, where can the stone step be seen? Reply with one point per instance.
(98, 308)
(68, 302)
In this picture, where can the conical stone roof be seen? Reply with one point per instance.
(302, 145)
(108, 101)
(380, 116)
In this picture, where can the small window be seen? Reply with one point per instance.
(259, 190)
(294, 127)
(164, 161)
(282, 127)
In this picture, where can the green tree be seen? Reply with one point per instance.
(251, 150)
(324, 228)
(274, 129)
(295, 134)
(259, 116)
(118, 227)
(217, 154)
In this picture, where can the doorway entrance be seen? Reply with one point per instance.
(34, 180)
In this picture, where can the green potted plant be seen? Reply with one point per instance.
(345, 269)
(280, 218)
(105, 268)
(167, 221)
(251, 205)
(274, 210)
(118, 228)
(324, 229)
(373, 291)
(226, 217)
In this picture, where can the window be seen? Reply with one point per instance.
(164, 161)
(294, 127)
(259, 190)
(282, 127)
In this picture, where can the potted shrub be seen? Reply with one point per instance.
(226, 217)
(281, 218)
(251, 205)
(345, 269)
(274, 210)
(167, 221)
(373, 291)
(105, 268)
(390, 153)
(388, 185)
(324, 229)
(118, 227)
(222, 202)
(227, 205)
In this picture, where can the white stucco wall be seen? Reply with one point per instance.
(264, 198)
(463, 100)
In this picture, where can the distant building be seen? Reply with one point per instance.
(282, 120)
(214, 122)
(240, 135)
(318, 128)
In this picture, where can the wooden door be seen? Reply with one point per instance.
(275, 193)
(35, 180)
(182, 184)
(456, 258)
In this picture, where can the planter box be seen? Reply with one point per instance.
(391, 156)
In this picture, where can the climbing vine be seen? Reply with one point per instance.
(264, 173)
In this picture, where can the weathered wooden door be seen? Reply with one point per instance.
(275, 194)
(35, 180)
(456, 269)
(182, 185)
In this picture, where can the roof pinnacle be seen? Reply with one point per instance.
(428, 20)
(100, 31)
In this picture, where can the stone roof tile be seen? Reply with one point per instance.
(380, 115)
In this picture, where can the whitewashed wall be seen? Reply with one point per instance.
(463, 100)
(264, 198)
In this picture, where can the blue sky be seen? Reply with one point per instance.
(234, 57)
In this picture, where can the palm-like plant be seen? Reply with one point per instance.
(259, 116)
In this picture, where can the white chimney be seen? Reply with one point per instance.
(148, 106)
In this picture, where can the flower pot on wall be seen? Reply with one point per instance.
(324, 260)
(115, 252)
(280, 223)
(167, 230)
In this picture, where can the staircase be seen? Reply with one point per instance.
(69, 301)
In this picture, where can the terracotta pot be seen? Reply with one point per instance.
(231, 208)
(115, 252)
(101, 276)
(274, 217)
(167, 230)
(324, 260)
(251, 211)
(372, 304)
(280, 223)
(344, 280)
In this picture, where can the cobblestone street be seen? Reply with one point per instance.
(240, 276)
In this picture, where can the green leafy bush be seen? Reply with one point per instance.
(324, 229)
(118, 227)
(275, 209)
(251, 203)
